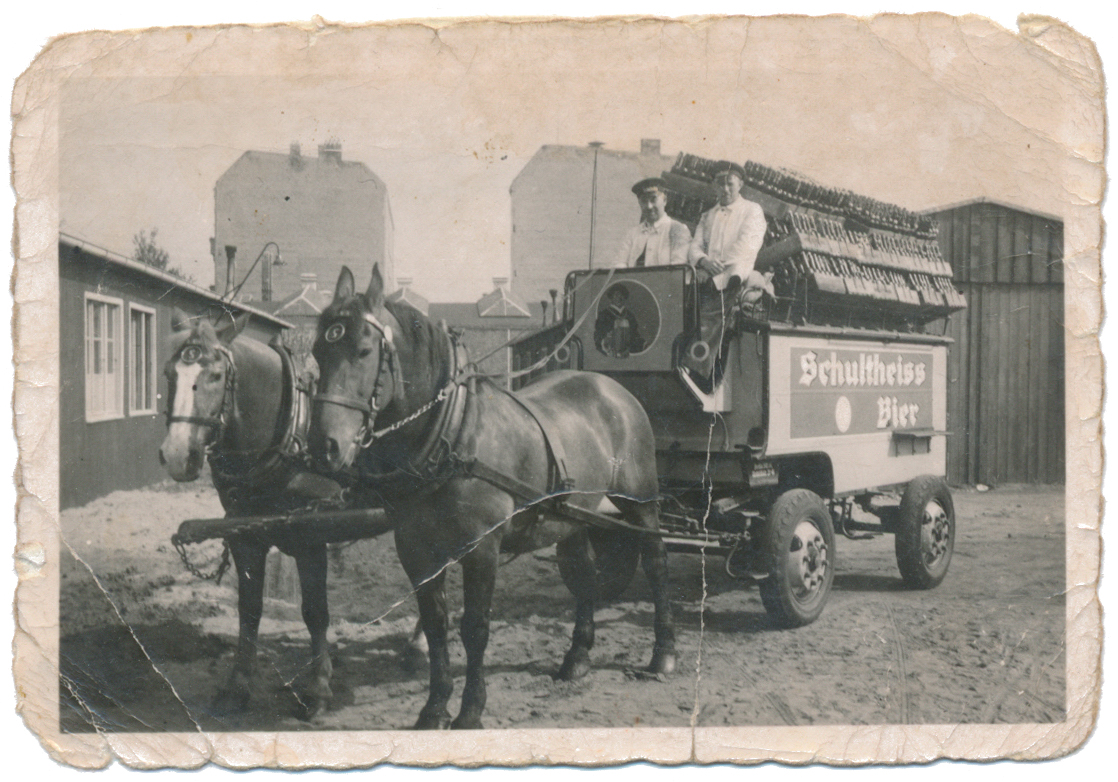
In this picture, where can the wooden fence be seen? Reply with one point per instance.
(1006, 371)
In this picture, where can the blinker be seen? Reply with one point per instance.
(190, 354)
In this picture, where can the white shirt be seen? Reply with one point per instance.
(731, 235)
(662, 243)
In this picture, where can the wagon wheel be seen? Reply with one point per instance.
(615, 554)
(801, 544)
(925, 536)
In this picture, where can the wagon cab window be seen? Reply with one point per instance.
(104, 348)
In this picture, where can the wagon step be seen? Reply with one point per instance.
(312, 527)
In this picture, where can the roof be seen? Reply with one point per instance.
(306, 163)
(992, 202)
(466, 315)
(649, 165)
(308, 301)
(410, 297)
(498, 303)
(142, 269)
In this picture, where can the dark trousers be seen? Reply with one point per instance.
(716, 311)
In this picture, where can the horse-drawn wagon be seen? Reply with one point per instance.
(828, 395)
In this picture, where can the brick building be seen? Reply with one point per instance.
(320, 212)
(551, 211)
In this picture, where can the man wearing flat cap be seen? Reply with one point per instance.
(723, 252)
(658, 240)
(729, 235)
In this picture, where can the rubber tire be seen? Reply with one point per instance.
(915, 570)
(783, 605)
(616, 555)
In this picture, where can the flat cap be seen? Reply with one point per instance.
(723, 167)
(652, 183)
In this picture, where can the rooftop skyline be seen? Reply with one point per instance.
(448, 120)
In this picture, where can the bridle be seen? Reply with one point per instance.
(371, 407)
(215, 423)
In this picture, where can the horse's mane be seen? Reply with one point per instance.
(425, 336)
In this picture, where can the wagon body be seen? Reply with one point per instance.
(804, 422)
(840, 411)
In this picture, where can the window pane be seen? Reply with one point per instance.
(104, 350)
(149, 361)
(136, 380)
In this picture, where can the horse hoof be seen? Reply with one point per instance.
(466, 723)
(310, 706)
(439, 721)
(662, 663)
(575, 666)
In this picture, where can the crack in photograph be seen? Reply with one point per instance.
(629, 374)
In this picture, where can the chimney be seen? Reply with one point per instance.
(403, 282)
(499, 283)
(331, 151)
(309, 281)
(650, 146)
(295, 155)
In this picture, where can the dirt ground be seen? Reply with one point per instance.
(145, 646)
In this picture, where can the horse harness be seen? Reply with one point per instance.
(371, 406)
(289, 449)
(440, 458)
(215, 423)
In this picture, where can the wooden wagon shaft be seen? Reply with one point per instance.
(314, 527)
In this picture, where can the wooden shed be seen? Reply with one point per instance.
(1005, 406)
(114, 321)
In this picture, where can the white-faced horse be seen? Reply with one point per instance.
(238, 400)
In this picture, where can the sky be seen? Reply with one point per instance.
(449, 120)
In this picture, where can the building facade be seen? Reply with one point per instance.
(1006, 374)
(114, 325)
(488, 325)
(555, 230)
(298, 215)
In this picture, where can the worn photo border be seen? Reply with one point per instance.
(38, 295)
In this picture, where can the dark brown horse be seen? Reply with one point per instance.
(233, 399)
(384, 364)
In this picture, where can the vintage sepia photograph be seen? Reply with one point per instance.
(727, 386)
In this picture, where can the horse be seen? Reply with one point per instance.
(467, 472)
(236, 400)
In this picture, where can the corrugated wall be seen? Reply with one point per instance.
(1006, 370)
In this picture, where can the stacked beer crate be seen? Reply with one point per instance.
(838, 258)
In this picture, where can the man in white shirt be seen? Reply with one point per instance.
(658, 240)
(723, 252)
(729, 235)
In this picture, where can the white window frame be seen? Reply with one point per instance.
(116, 370)
(135, 405)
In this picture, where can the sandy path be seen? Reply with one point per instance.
(985, 646)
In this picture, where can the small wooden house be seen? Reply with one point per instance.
(114, 323)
